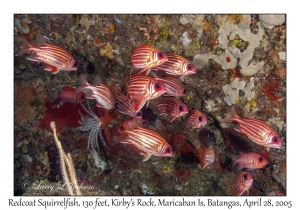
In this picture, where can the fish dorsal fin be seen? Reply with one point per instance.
(232, 116)
(40, 40)
(246, 113)
(97, 80)
(146, 156)
(233, 113)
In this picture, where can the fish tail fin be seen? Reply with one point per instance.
(232, 116)
(53, 96)
(236, 162)
(84, 83)
(26, 46)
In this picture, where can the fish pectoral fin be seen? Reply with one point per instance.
(146, 156)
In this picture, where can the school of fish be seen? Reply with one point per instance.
(141, 90)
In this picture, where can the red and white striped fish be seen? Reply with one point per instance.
(104, 96)
(207, 156)
(173, 86)
(173, 107)
(149, 142)
(145, 57)
(196, 119)
(128, 106)
(131, 123)
(54, 57)
(144, 88)
(256, 130)
(243, 183)
(176, 65)
(250, 161)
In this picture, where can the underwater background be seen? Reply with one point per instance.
(239, 60)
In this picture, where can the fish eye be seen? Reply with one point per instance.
(157, 86)
(275, 139)
(180, 108)
(189, 67)
(75, 64)
(121, 128)
(245, 176)
(184, 91)
(260, 159)
(168, 149)
(200, 118)
(139, 114)
(160, 55)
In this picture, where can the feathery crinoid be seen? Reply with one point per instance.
(93, 124)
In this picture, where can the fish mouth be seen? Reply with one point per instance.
(167, 155)
(189, 72)
(72, 69)
(276, 146)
